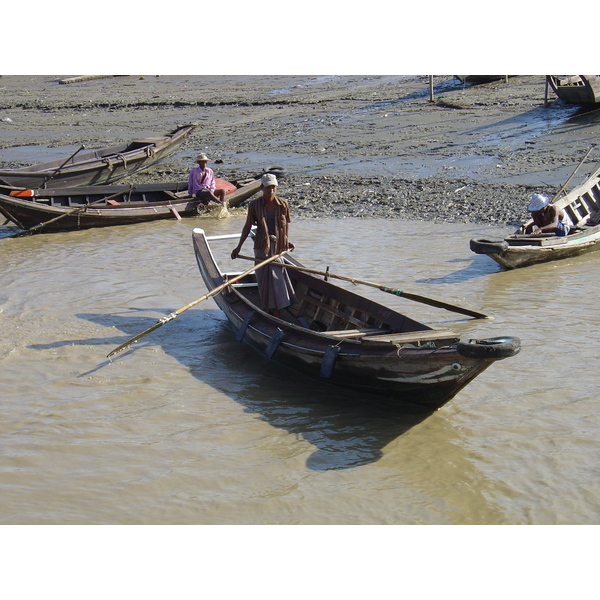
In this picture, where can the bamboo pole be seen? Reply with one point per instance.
(384, 288)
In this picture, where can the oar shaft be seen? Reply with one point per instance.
(389, 290)
(213, 292)
(566, 183)
(437, 303)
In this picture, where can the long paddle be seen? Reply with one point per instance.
(71, 212)
(176, 313)
(566, 183)
(389, 290)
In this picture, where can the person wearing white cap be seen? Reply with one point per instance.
(202, 185)
(271, 215)
(547, 218)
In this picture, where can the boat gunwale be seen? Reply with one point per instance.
(81, 169)
(322, 336)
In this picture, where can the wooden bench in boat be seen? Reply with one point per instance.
(427, 335)
(351, 333)
(323, 308)
(544, 239)
(385, 335)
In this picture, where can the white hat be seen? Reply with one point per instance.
(268, 179)
(538, 201)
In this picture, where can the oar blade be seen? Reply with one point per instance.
(135, 338)
(174, 314)
(444, 305)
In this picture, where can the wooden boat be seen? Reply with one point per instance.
(348, 340)
(96, 167)
(582, 208)
(102, 206)
(579, 89)
(480, 78)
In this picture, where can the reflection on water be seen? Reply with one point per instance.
(190, 426)
(348, 428)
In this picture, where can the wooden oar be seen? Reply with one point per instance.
(566, 183)
(71, 212)
(389, 290)
(176, 313)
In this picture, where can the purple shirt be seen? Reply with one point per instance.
(199, 180)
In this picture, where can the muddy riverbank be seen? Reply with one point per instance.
(372, 146)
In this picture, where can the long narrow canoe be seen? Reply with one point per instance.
(582, 208)
(103, 206)
(342, 338)
(96, 167)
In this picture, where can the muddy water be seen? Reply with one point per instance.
(193, 428)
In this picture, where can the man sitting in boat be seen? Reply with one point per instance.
(271, 215)
(547, 218)
(202, 185)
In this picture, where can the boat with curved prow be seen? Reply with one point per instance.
(582, 209)
(342, 338)
(97, 167)
(102, 206)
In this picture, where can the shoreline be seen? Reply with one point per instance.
(371, 146)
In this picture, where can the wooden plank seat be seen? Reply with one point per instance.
(414, 336)
(352, 333)
(323, 308)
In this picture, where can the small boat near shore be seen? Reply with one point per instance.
(480, 78)
(96, 167)
(582, 90)
(348, 340)
(103, 206)
(582, 209)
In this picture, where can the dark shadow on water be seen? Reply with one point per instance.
(477, 267)
(349, 429)
(7, 231)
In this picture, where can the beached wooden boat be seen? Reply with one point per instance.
(480, 78)
(103, 206)
(579, 89)
(96, 167)
(348, 340)
(582, 207)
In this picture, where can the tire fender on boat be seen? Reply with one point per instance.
(483, 246)
(494, 348)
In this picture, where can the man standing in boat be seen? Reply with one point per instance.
(546, 217)
(202, 185)
(271, 215)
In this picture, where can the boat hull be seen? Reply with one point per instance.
(480, 78)
(582, 210)
(97, 167)
(583, 90)
(418, 366)
(516, 256)
(104, 206)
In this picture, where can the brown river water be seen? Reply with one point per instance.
(191, 427)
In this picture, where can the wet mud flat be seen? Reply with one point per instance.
(351, 146)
